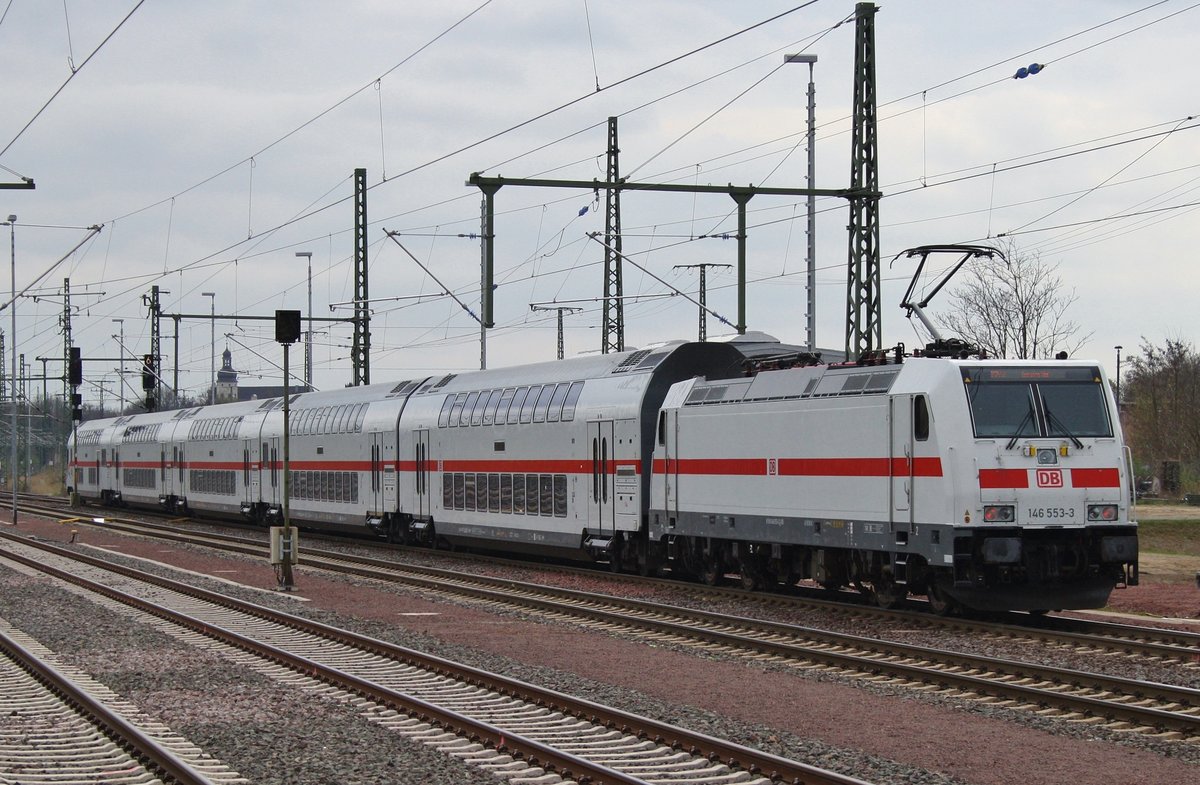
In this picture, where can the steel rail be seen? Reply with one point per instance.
(150, 752)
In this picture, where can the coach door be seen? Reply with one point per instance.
(421, 472)
(669, 439)
(901, 464)
(375, 495)
(270, 476)
(250, 482)
(601, 502)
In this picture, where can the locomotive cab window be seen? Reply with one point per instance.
(920, 418)
(1054, 402)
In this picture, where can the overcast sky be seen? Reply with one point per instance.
(212, 141)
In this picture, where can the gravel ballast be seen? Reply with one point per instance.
(876, 732)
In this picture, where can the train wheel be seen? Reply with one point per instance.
(888, 593)
(713, 571)
(940, 602)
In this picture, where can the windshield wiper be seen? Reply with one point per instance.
(1053, 418)
(1020, 429)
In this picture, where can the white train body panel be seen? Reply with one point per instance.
(906, 461)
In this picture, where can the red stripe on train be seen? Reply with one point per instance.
(1003, 478)
(1019, 478)
(801, 467)
(1095, 478)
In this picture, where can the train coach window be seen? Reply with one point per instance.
(920, 418)
(480, 406)
(464, 419)
(556, 403)
(360, 414)
(447, 491)
(568, 409)
(546, 500)
(662, 428)
(493, 493)
(489, 411)
(531, 494)
(514, 410)
(506, 493)
(469, 488)
(543, 403)
(502, 408)
(560, 496)
(460, 492)
(518, 494)
(529, 403)
(456, 412)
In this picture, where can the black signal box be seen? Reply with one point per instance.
(287, 326)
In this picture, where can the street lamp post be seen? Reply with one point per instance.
(12, 307)
(1118, 348)
(308, 358)
(212, 352)
(812, 201)
(121, 348)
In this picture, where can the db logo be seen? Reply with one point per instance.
(772, 466)
(1049, 478)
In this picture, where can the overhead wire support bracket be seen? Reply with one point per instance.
(428, 272)
(674, 291)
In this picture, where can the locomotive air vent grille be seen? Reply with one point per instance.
(632, 360)
(443, 381)
(402, 388)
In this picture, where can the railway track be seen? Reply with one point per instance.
(488, 719)
(1113, 702)
(1086, 636)
(64, 727)
(1146, 644)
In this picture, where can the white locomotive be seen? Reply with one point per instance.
(982, 483)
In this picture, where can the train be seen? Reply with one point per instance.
(982, 484)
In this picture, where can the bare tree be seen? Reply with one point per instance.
(1014, 307)
(1161, 395)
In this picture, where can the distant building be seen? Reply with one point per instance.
(228, 389)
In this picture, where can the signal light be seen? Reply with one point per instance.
(149, 377)
(75, 368)
(1102, 512)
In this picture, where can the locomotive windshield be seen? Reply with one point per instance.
(1013, 402)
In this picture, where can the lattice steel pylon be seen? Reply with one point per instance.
(68, 342)
(613, 328)
(864, 329)
(154, 394)
(361, 351)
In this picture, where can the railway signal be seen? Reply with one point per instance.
(283, 538)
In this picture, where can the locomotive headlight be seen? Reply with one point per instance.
(1102, 512)
(998, 513)
(1047, 456)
